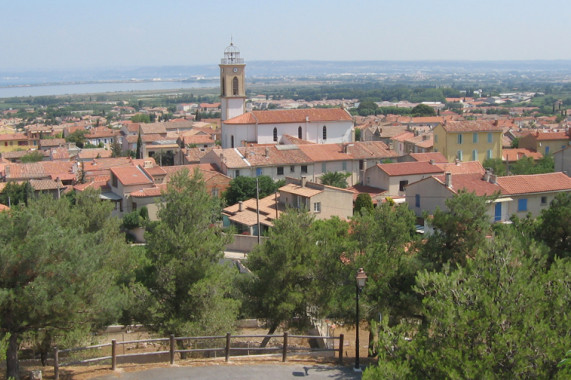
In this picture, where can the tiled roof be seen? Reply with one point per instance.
(435, 156)
(46, 184)
(248, 215)
(291, 116)
(43, 169)
(197, 139)
(409, 168)
(152, 128)
(403, 136)
(149, 192)
(303, 191)
(52, 143)
(471, 126)
(512, 155)
(85, 154)
(4, 207)
(547, 136)
(535, 183)
(13, 137)
(131, 175)
(427, 120)
(101, 132)
(468, 167)
(59, 154)
(472, 183)
(274, 155)
(369, 149)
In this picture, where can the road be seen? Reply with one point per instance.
(242, 372)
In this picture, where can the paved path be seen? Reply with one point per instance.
(243, 372)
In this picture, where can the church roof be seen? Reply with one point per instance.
(291, 116)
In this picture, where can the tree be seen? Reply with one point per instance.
(496, 317)
(15, 193)
(186, 290)
(34, 156)
(554, 226)
(141, 118)
(77, 137)
(242, 188)
(116, 148)
(60, 266)
(367, 107)
(458, 232)
(496, 164)
(363, 201)
(337, 179)
(423, 110)
(139, 152)
(283, 285)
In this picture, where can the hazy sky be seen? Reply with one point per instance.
(38, 34)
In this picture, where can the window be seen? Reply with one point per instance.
(543, 200)
(324, 132)
(316, 206)
(235, 86)
(214, 192)
(435, 138)
(280, 170)
(292, 169)
(299, 130)
(304, 169)
(522, 204)
(258, 172)
(490, 138)
(546, 150)
(113, 180)
(489, 153)
(459, 155)
(459, 138)
(344, 166)
(232, 141)
(475, 137)
(402, 185)
(236, 173)
(417, 200)
(361, 164)
(323, 167)
(275, 134)
(474, 155)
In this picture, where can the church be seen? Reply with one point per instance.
(241, 128)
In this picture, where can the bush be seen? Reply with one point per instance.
(132, 220)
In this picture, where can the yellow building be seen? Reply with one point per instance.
(15, 141)
(468, 140)
(545, 142)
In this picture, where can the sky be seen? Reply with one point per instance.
(75, 34)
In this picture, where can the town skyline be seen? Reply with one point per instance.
(65, 34)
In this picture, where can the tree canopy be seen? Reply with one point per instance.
(423, 110)
(242, 188)
(337, 179)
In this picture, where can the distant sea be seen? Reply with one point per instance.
(97, 88)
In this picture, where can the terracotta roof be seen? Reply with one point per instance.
(291, 116)
(94, 153)
(435, 156)
(131, 175)
(468, 167)
(94, 184)
(273, 155)
(46, 184)
(149, 192)
(535, 183)
(547, 136)
(59, 154)
(471, 126)
(403, 136)
(4, 207)
(427, 120)
(101, 132)
(52, 143)
(43, 169)
(248, 215)
(152, 128)
(299, 190)
(472, 183)
(13, 137)
(409, 168)
(512, 155)
(197, 139)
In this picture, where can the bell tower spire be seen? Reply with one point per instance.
(232, 83)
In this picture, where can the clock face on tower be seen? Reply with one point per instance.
(235, 69)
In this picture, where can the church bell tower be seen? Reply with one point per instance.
(232, 83)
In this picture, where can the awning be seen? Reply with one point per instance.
(499, 200)
(109, 196)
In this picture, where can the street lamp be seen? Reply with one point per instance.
(360, 280)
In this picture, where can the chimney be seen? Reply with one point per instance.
(267, 151)
(496, 122)
(345, 148)
(486, 177)
(493, 179)
(431, 162)
(240, 206)
(448, 179)
(303, 180)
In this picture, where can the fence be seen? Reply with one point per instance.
(172, 343)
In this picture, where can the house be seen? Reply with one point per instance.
(511, 195)
(430, 156)
(48, 144)
(395, 177)
(468, 140)
(513, 154)
(545, 142)
(14, 141)
(320, 200)
(102, 136)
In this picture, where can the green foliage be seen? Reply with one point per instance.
(527, 165)
(186, 291)
(60, 268)
(242, 188)
(554, 227)
(496, 317)
(496, 164)
(77, 137)
(358, 134)
(132, 220)
(15, 193)
(458, 232)
(515, 143)
(423, 110)
(34, 156)
(141, 118)
(363, 201)
(337, 179)
(367, 107)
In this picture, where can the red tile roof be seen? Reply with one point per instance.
(472, 183)
(547, 136)
(468, 167)
(409, 168)
(471, 126)
(150, 192)
(535, 183)
(512, 155)
(291, 116)
(435, 156)
(131, 175)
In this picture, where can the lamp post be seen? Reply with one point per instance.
(360, 280)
